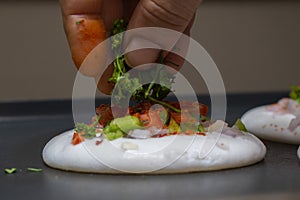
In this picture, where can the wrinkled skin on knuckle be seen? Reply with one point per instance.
(175, 14)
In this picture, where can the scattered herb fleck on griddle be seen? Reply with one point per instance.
(10, 170)
(31, 169)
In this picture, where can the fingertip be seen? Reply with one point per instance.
(141, 51)
(141, 57)
(103, 83)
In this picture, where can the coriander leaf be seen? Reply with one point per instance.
(10, 170)
(30, 169)
(200, 128)
(89, 131)
(240, 126)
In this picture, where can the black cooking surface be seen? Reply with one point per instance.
(27, 126)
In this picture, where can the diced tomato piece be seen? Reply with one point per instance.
(77, 139)
(191, 107)
(98, 142)
(200, 133)
(105, 111)
(106, 114)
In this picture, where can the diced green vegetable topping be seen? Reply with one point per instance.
(114, 135)
(200, 128)
(119, 127)
(173, 126)
(126, 123)
(240, 126)
(10, 171)
(295, 93)
(30, 169)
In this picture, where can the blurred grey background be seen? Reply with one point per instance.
(255, 44)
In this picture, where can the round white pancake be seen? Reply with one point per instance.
(270, 125)
(173, 155)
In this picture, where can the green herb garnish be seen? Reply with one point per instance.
(79, 22)
(240, 125)
(10, 171)
(30, 169)
(295, 93)
(127, 85)
(89, 130)
(200, 128)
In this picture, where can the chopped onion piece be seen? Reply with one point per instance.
(140, 133)
(129, 146)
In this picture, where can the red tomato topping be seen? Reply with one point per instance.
(98, 142)
(77, 139)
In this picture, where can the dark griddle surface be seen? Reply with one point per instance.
(26, 128)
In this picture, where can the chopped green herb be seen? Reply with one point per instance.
(10, 171)
(200, 128)
(295, 93)
(30, 169)
(89, 130)
(240, 126)
(79, 22)
(127, 85)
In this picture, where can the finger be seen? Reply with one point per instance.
(128, 8)
(171, 14)
(176, 58)
(85, 28)
(103, 84)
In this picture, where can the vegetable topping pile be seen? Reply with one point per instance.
(144, 120)
(151, 116)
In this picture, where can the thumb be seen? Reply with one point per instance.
(170, 14)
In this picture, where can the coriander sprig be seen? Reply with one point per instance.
(159, 79)
(10, 170)
(89, 130)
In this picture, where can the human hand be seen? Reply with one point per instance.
(87, 23)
